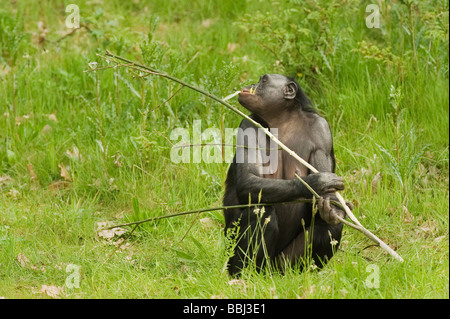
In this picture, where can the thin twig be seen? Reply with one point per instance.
(108, 67)
(307, 186)
(210, 209)
(229, 145)
(70, 33)
(182, 86)
(162, 135)
(189, 229)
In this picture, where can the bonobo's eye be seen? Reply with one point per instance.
(263, 79)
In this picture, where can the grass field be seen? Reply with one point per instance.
(78, 149)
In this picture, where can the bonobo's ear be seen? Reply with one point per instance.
(290, 90)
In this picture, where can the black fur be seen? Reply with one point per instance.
(284, 236)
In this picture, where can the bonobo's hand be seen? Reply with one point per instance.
(324, 183)
(329, 212)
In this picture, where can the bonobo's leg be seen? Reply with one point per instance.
(325, 241)
(250, 245)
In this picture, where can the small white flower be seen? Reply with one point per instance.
(333, 242)
(93, 65)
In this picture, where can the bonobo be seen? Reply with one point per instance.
(262, 173)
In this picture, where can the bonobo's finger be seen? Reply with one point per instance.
(324, 183)
(336, 186)
(332, 183)
(327, 209)
(320, 204)
(333, 213)
(338, 183)
(327, 213)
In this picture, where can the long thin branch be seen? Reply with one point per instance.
(267, 132)
(198, 211)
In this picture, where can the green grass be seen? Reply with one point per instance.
(50, 111)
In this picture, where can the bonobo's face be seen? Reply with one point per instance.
(271, 95)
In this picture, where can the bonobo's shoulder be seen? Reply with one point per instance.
(321, 136)
(319, 124)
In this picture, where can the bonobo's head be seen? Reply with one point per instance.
(274, 93)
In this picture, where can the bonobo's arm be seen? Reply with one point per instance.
(323, 160)
(322, 157)
(249, 182)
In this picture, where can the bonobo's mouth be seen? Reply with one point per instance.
(249, 90)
